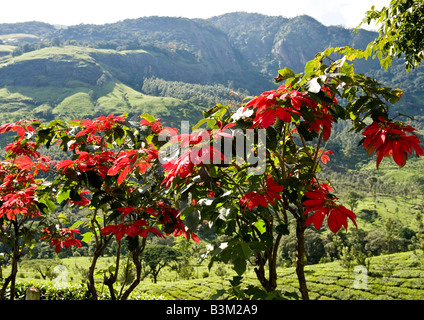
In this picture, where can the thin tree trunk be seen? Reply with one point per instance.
(91, 285)
(110, 281)
(10, 279)
(300, 254)
(138, 268)
(16, 255)
(269, 284)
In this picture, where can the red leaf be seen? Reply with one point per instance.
(65, 164)
(195, 238)
(123, 174)
(24, 163)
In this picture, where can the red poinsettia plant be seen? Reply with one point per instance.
(263, 174)
(114, 170)
(61, 238)
(320, 204)
(109, 166)
(21, 207)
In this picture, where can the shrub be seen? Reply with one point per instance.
(48, 291)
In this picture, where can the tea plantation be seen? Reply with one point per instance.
(397, 276)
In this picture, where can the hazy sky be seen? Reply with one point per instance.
(348, 13)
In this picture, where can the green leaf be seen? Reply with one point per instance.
(76, 225)
(284, 74)
(49, 203)
(62, 195)
(340, 111)
(119, 135)
(257, 246)
(192, 218)
(226, 254)
(261, 226)
(62, 218)
(209, 122)
(244, 250)
(236, 281)
(86, 237)
(218, 294)
(239, 265)
(267, 239)
(310, 67)
(217, 112)
(282, 229)
(148, 117)
(218, 115)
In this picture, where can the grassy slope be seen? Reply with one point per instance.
(86, 96)
(389, 171)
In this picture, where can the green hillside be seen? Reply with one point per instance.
(67, 82)
(240, 51)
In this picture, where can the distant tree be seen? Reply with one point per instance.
(352, 198)
(45, 270)
(390, 235)
(406, 233)
(156, 257)
(401, 32)
(375, 242)
(357, 240)
(347, 258)
(314, 247)
(56, 42)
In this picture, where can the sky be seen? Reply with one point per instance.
(347, 13)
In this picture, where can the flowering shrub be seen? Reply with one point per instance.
(111, 166)
(62, 238)
(277, 146)
(20, 204)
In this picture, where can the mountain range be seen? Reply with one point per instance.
(170, 67)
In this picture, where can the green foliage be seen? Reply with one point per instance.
(156, 257)
(50, 291)
(203, 96)
(351, 199)
(401, 32)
